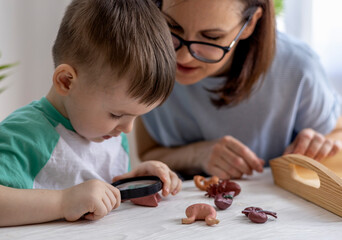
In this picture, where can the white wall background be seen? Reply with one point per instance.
(27, 32)
(317, 23)
(28, 29)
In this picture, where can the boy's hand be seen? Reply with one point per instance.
(93, 198)
(171, 183)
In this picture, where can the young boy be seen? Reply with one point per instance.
(114, 60)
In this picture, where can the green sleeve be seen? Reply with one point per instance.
(27, 140)
(125, 146)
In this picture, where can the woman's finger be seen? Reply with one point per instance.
(336, 148)
(316, 145)
(239, 149)
(234, 160)
(302, 141)
(324, 151)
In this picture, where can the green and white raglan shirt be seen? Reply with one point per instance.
(40, 149)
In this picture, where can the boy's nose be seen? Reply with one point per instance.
(126, 128)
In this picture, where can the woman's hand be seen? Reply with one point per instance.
(171, 183)
(93, 198)
(314, 145)
(229, 158)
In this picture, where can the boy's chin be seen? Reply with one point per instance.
(97, 140)
(101, 139)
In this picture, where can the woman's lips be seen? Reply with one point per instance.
(185, 69)
(106, 137)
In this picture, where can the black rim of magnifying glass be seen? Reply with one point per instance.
(139, 192)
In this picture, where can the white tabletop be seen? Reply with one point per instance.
(297, 218)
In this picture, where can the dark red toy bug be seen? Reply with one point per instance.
(223, 192)
(258, 215)
(224, 200)
(223, 186)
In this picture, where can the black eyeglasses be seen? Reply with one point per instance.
(206, 52)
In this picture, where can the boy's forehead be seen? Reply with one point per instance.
(134, 109)
(109, 82)
(120, 102)
(120, 98)
(112, 80)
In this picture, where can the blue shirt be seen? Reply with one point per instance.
(294, 95)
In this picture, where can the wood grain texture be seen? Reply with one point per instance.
(297, 218)
(318, 182)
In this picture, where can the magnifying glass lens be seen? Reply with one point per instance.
(135, 184)
(138, 187)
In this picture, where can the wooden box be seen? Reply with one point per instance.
(317, 182)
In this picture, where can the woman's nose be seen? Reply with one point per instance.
(183, 55)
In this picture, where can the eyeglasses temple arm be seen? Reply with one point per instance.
(240, 32)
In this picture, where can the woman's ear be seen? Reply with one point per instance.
(253, 22)
(64, 79)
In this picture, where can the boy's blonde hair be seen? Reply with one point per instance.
(129, 36)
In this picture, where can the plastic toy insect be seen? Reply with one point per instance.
(148, 201)
(223, 186)
(258, 215)
(224, 200)
(200, 211)
(223, 192)
(202, 183)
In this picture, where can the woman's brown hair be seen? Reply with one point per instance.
(252, 56)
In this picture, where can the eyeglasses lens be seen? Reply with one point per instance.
(203, 52)
(176, 42)
(206, 52)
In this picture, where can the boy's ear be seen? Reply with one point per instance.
(251, 26)
(64, 78)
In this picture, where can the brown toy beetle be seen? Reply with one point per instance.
(258, 215)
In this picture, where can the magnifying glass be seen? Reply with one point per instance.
(137, 187)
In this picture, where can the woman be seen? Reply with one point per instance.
(234, 108)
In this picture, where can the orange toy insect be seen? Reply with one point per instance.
(202, 183)
(200, 211)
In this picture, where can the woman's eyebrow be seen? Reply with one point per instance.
(222, 30)
(214, 30)
(174, 22)
(170, 18)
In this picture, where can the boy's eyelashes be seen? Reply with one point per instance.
(113, 116)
